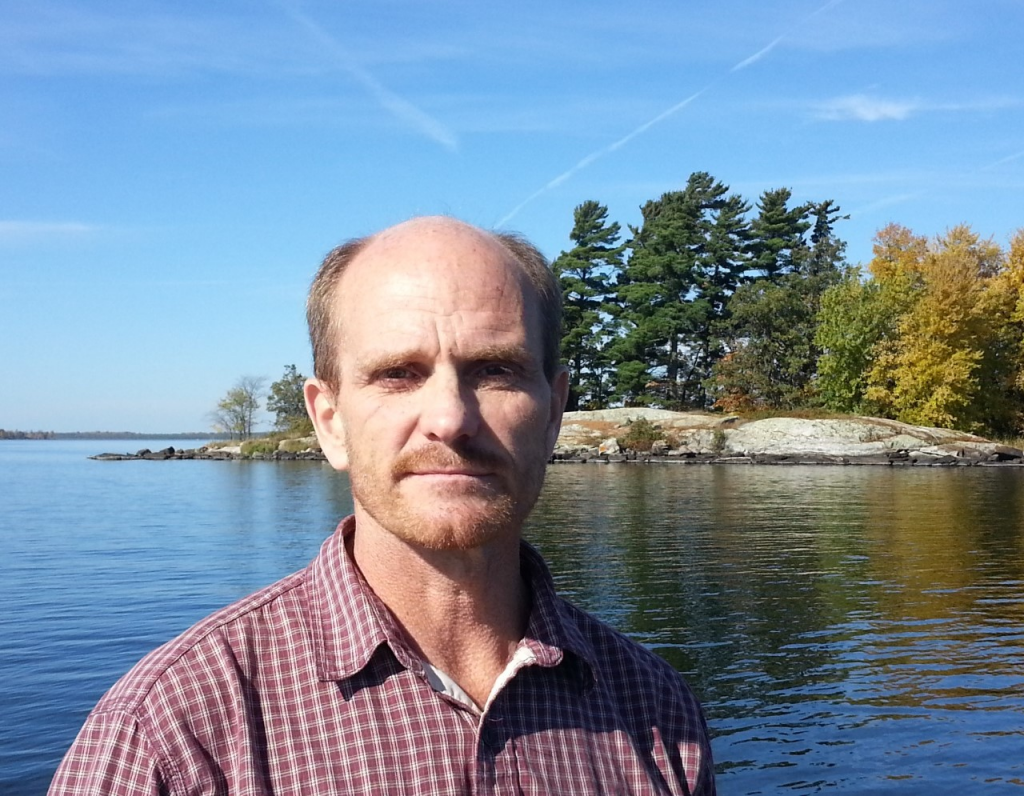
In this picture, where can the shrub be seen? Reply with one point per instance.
(253, 446)
(641, 435)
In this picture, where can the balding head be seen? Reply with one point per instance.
(431, 232)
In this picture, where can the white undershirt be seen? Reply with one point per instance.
(443, 684)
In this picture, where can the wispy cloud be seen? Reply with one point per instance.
(869, 108)
(864, 108)
(399, 107)
(32, 230)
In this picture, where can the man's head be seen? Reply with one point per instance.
(323, 321)
(438, 385)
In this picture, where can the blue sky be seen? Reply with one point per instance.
(172, 172)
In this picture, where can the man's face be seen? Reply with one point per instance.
(446, 415)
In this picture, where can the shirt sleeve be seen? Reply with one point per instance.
(110, 757)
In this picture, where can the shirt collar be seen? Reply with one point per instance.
(349, 623)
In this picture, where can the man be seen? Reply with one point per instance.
(424, 650)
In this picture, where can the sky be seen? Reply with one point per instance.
(172, 173)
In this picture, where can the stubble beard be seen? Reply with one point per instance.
(459, 518)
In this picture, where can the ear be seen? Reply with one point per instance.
(330, 429)
(559, 396)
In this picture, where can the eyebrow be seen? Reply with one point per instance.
(515, 354)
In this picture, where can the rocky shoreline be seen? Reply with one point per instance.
(604, 437)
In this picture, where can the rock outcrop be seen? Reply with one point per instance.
(686, 436)
(600, 436)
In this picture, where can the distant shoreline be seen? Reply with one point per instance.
(114, 435)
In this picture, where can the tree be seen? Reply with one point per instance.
(287, 402)
(938, 360)
(853, 319)
(585, 274)
(686, 258)
(773, 320)
(778, 234)
(236, 411)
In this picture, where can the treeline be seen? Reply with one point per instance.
(9, 434)
(715, 303)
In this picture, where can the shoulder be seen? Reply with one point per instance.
(634, 675)
(229, 639)
(153, 731)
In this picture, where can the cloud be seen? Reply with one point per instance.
(868, 108)
(864, 108)
(34, 230)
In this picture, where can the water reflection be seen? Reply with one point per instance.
(845, 627)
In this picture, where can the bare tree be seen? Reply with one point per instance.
(236, 411)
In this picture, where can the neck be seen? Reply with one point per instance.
(464, 611)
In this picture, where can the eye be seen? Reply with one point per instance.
(396, 377)
(497, 371)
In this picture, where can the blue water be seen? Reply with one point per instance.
(854, 629)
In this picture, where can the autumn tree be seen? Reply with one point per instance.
(938, 356)
(586, 275)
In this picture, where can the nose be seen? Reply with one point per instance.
(449, 410)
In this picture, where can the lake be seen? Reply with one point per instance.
(853, 629)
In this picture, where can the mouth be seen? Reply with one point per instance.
(450, 475)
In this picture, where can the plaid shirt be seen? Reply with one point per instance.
(309, 687)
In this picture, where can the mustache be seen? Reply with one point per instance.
(443, 457)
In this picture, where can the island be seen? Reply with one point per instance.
(643, 435)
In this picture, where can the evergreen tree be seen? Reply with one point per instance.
(586, 274)
(686, 258)
(773, 354)
(778, 242)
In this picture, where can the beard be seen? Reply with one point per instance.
(456, 516)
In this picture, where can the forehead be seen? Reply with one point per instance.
(445, 270)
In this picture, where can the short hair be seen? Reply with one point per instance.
(324, 327)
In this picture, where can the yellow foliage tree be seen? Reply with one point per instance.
(1011, 285)
(931, 372)
(897, 269)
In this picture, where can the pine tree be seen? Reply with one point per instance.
(773, 353)
(586, 275)
(686, 258)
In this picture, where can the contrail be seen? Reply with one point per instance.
(757, 56)
(598, 155)
(1003, 161)
(643, 128)
(398, 106)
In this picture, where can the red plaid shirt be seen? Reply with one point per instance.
(309, 687)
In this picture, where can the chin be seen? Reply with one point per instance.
(459, 525)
